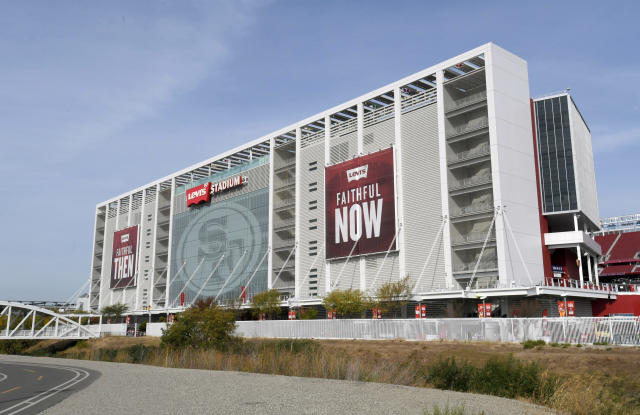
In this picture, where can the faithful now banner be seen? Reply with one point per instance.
(360, 205)
(123, 266)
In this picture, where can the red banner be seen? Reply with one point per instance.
(561, 309)
(360, 205)
(481, 310)
(571, 308)
(199, 194)
(423, 311)
(123, 266)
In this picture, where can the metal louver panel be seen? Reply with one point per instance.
(422, 196)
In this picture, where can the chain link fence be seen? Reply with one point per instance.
(578, 330)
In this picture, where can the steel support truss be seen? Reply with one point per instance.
(22, 321)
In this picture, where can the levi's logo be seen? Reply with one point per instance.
(357, 173)
(199, 194)
(124, 238)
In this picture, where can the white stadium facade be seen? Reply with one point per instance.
(452, 176)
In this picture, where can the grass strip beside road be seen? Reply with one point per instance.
(587, 380)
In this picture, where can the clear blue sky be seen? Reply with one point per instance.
(97, 98)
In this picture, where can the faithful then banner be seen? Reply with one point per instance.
(124, 258)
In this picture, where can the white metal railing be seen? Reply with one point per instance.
(344, 127)
(488, 264)
(284, 243)
(378, 115)
(472, 237)
(576, 330)
(482, 150)
(286, 164)
(474, 208)
(469, 181)
(282, 224)
(283, 183)
(282, 203)
(575, 284)
(419, 100)
(472, 125)
(468, 100)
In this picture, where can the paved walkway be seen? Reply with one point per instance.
(126, 389)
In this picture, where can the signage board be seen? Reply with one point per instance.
(561, 309)
(199, 194)
(484, 310)
(203, 192)
(124, 258)
(571, 308)
(360, 205)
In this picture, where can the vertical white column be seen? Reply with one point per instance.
(171, 209)
(397, 114)
(93, 257)
(141, 235)
(124, 290)
(102, 269)
(360, 139)
(299, 251)
(327, 160)
(579, 263)
(271, 213)
(590, 268)
(116, 229)
(154, 242)
(595, 265)
(505, 265)
(444, 189)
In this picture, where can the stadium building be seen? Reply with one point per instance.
(452, 176)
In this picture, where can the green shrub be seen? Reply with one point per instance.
(139, 353)
(15, 346)
(107, 355)
(507, 377)
(204, 326)
(267, 302)
(347, 303)
(530, 344)
(308, 313)
(114, 311)
(447, 374)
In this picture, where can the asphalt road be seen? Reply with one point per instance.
(137, 389)
(30, 387)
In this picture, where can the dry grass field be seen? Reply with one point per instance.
(591, 379)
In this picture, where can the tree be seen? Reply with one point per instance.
(114, 311)
(204, 325)
(267, 302)
(391, 295)
(345, 302)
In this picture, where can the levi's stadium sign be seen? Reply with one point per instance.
(203, 193)
(360, 205)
